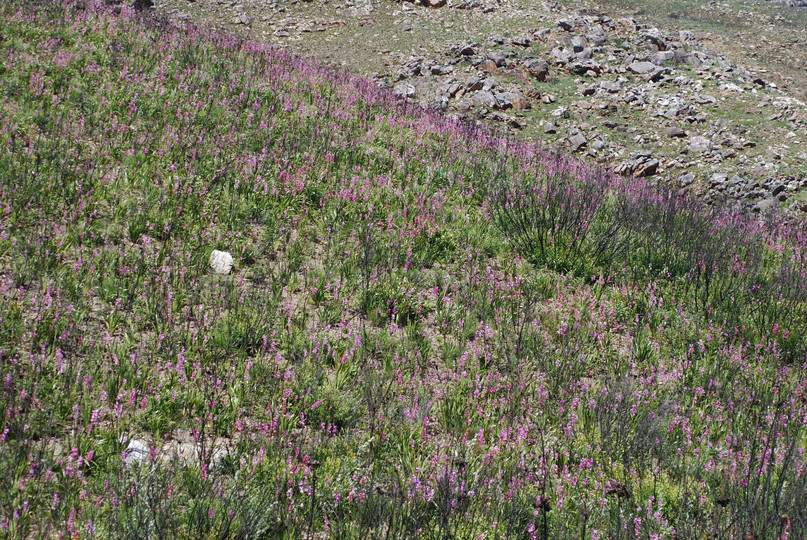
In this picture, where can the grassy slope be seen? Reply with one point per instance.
(381, 363)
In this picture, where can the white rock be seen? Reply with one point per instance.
(221, 262)
(136, 452)
(699, 144)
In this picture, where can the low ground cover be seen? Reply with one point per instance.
(429, 332)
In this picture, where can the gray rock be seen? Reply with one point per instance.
(541, 35)
(662, 57)
(561, 56)
(498, 58)
(441, 70)
(642, 68)
(613, 87)
(563, 24)
(550, 129)
(473, 84)
(514, 100)
(506, 119)
(647, 168)
(674, 132)
(502, 101)
(404, 90)
(577, 140)
(693, 60)
(485, 99)
(737, 180)
(654, 37)
(585, 67)
(467, 50)
(703, 99)
(537, 68)
(685, 179)
(597, 40)
(766, 205)
(699, 144)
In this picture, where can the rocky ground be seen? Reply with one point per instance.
(640, 99)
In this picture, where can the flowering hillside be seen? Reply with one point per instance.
(428, 331)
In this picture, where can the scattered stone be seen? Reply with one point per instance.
(736, 180)
(221, 262)
(642, 68)
(563, 24)
(685, 180)
(515, 100)
(642, 163)
(498, 58)
(611, 86)
(699, 144)
(674, 132)
(429, 3)
(506, 119)
(537, 68)
(766, 205)
(484, 98)
(665, 105)
(577, 140)
(647, 168)
(473, 84)
(704, 99)
(404, 90)
(561, 56)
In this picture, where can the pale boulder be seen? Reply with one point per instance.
(221, 262)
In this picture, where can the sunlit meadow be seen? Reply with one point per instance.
(430, 331)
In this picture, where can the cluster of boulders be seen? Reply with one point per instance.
(669, 82)
(791, 3)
